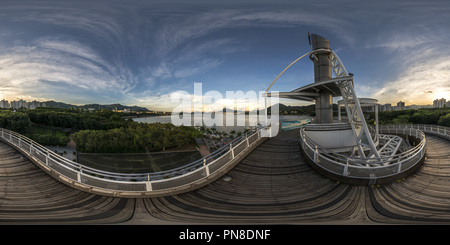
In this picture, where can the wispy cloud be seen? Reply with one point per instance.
(141, 51)
(63, 45)
(413, 37)
(60, 61)
(187, 43)
(414, 86)
(129, 49)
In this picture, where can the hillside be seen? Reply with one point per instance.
(63, 105)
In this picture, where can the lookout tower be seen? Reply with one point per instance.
(322, 72)
(335, 145)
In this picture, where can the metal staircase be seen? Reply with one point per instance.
(342, 85)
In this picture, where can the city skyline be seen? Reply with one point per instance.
(21, 103)
(139, 52)
(17, 104)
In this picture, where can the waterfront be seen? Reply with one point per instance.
(224, 128)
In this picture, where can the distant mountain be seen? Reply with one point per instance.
(282, 107)
(114, 106)
(299, 110)
(56, 104)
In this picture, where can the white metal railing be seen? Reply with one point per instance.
(354, 167)
(428, 128)
(121, 182)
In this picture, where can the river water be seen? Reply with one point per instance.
(225, 127)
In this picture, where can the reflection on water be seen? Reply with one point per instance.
(225, 127)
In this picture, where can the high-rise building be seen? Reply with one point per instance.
(387, 107)
(21, 103)
(4, 104)
(14, 104)
(439, 103)
(34, 104)
(401, 105)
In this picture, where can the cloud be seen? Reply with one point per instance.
(141, 51)
(432, 76)
(422, 65)
(130, 47)
(190, 43)
(29, 68)
(412, 39)
(81, 46)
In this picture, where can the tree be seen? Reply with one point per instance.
(15, 121)
(444, 120)
(402, 119)
(135, 137)
(232, 133)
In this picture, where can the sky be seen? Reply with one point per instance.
(139, 52)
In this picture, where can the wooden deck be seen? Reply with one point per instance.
(272, 185)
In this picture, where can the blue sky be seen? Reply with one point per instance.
(139, 52)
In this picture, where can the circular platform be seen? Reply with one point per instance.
(367, 171)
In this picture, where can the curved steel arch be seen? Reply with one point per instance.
(344, 83)
(370, 154)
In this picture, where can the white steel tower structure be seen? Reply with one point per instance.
(350, 142)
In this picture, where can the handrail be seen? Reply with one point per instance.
(140, 183)
(357, 168)
(430, 128)
(343, 158)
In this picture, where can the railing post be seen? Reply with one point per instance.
(315, 154)
(232, 150)
(79, 174)
(206, 166)
(246, 138)
(46, 158)
(399, 167)
(31, 147)
(148, 184)
(346, 169)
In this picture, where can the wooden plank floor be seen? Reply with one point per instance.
(28, 195)
(272, 185)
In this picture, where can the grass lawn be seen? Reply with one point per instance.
(39, 129)
(139, 162)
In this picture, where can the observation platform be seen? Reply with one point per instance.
(272, 185)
